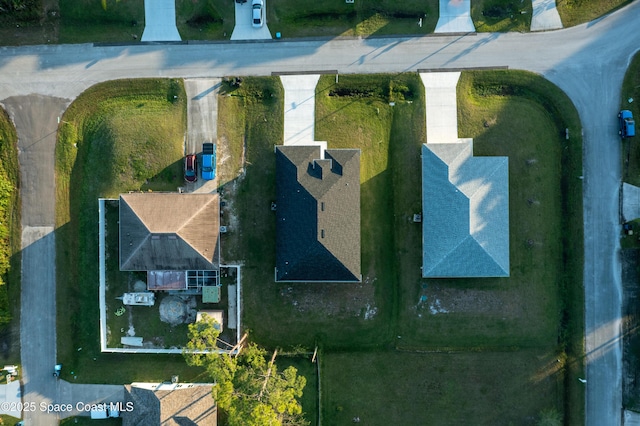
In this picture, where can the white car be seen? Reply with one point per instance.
(257, 13)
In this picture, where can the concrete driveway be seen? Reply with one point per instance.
(299, 108)
(545, 16)
(243, 29)
(160, 21)
(587, 62)
(441, 106)
(10, 398)
(202, 122)
(455, 17)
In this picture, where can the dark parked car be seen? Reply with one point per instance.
(190, 168)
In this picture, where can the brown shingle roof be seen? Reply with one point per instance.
(169, 231)
(169, 404)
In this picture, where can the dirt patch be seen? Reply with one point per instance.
(332, 299)
(36, 27)
(436, 299)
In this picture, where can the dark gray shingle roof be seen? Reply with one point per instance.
(318, 214)
(169, 231)
(465, 208)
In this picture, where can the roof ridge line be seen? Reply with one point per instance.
(193, 216)
(450, 251)
(493, 172)
(144, 240)
(490, 255)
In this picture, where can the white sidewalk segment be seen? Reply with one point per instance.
(455, 17)
(441, 106)
(545, 16)
(243, 29)
(160, 21)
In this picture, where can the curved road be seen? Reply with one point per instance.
(588, 62)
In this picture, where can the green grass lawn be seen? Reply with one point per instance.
(8, 420)
(86, 21)
(630, 149)
(575, 12)
(330, 18)
(10, 242)
(115, 137)
(501, 15)
(390, 387)
(205, 19)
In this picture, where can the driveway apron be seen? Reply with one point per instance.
(160, 21)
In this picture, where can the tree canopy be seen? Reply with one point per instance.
(248, 388)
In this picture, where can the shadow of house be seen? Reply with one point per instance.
(169, 404)
(169, 234)
(318, 214)
(465, 202)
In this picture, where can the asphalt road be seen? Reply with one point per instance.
(35, 117)
(587, 62)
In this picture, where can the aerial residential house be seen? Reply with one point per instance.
(318, 214)
(172, 236)
(169, 404)
(465, 212)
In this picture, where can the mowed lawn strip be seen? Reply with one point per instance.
(83, 21)
(329, 18)
(575, 12)
(630, 148)
(501, 15)
(390, 387)
(10, 241)
(205, 19)
(116, 137)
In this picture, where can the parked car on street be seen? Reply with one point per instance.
(627, 127)
(257, 13)
(190, 168)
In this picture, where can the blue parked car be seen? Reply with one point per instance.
(627, 125)
(208, 161)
